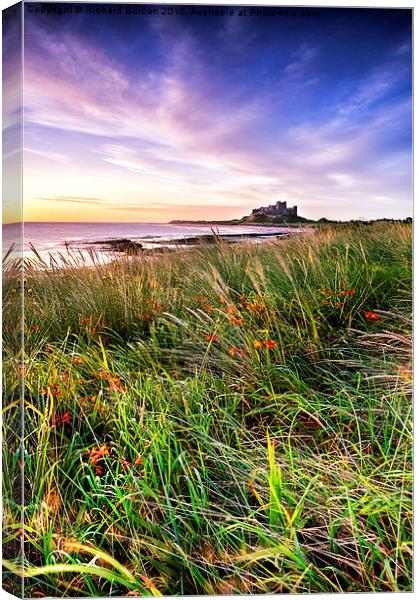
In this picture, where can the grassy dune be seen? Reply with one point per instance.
(226, 420)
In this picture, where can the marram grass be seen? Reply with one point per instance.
(231, 419)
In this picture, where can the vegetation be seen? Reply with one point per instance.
(230, 419)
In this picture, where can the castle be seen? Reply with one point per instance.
(278, 210)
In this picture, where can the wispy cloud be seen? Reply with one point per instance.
(74, 199)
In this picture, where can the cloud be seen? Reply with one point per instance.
(74, 199)
(302, 62)
(55, 156)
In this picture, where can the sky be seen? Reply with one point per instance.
(149, 118)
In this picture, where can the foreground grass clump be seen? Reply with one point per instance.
(225, 420)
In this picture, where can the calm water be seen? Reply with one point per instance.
(51, 238)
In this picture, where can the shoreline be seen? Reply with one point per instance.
(235, 223)
(130, 246)
(105, 252)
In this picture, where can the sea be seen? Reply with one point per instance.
(60, 239)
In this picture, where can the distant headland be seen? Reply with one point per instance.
(279, 214)
(274, 214)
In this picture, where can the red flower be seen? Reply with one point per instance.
(86, 320)
(234, 351)
(270, 344)
(66, 418)
(235, 321)
(60, 420)
(372, 316)
(212, 338)
(347, 292)
(115, 384)
(97, 453)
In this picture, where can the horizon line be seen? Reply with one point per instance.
(203, 221)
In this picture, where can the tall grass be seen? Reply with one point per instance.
(230, 419)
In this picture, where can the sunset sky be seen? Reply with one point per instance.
(152, 118)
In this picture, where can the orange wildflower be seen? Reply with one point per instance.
(65, 418)
(125, 464)
(97, 453)
(372, 316)
(235, 321)
(86, 320)
(350, 292)
(257, 344)
(270, 344)
(115, 384)
(234, 351)
(84, 399)
(212, 338)
(77, 360)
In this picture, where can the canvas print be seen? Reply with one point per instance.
(207, 299)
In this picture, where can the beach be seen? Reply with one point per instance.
(54, 238)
